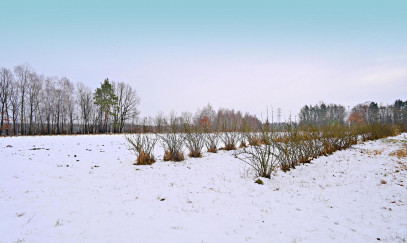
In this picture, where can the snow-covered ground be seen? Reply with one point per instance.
(86, 189)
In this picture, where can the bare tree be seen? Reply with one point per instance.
(159, 122)
(127, 101)
(22, 73)
(6, 79)
(85, 101)
(15, 104)
(48, 102)
(68, 100)
(207, 113)
(58, 99)
(33, 90)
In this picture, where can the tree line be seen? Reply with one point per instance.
(207, 119)
(32, 103)
(361, 114)
(35, 104)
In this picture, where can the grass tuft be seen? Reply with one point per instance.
(259, 181)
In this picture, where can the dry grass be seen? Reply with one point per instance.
(383, 181)
(243, 145)
(144, 159)
(195, 154)
(285, 167)
(229, 147)
(400, 153)
(254, 141)
(377, 152)
(168, 156)
(259, 181)
(372, 152)
(212, 150)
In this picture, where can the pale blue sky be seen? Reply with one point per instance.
(239, 54)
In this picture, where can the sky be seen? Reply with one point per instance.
(247, 55)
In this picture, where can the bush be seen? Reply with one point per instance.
(173, 145)
(173, 156)
(143, 147)
(171, 140)
(230, 140)
(144, 159)
(212, 142)
(263, 158)
(254, 139)
(243, 138)
(243, 144)
(377, 131)
(195, 141)
(288, 145)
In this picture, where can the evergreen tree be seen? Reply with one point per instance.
(105, 99)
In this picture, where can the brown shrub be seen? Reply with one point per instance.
(254, 141)
(243, 145)
(285, 167)
(281, 139)
(229, 147)
(178, 156)
(304, 160)
(265, 140)
(212, 150)
(195, 154)
(144, 159)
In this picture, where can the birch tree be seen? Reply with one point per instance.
(6, 79)
(22, 73)
(33, 91)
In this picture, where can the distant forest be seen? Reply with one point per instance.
(34, 104)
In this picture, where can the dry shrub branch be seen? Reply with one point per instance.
(142, 145)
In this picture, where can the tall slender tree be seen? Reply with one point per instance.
(105, 99)
(33, 91)
(6, 79)
(23, 77)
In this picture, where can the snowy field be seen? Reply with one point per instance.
(86, 189)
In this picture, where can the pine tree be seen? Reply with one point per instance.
(106, 99)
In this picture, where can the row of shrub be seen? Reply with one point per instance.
(294, 145)
(142, 145)
(284, 147)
